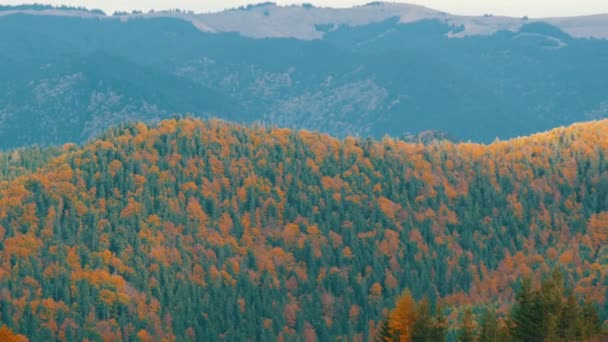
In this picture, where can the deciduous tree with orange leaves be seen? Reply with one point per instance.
(403, 317)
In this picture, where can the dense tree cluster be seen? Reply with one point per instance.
(24, 161)
(411, 321)
(549, 312)
(200, 230)
(552, 313)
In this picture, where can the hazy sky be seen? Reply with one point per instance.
(532, 8)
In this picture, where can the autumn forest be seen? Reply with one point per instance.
(191, 230)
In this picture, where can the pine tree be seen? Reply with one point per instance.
(592, 325)
(526, 314)
(384, 331)
(423, 326)
(551, 296)
(569, 322)
(489, 330)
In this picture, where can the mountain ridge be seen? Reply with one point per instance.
(269, 20)
(368, 80)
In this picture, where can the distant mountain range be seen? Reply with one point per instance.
(69, 73)
(307, 22)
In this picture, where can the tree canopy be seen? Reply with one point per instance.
(199, 230)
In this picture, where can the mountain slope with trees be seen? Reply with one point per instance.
(68, 75)
(201, 230)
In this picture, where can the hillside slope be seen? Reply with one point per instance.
(207, 230)
(69, 75)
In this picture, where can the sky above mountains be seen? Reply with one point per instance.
(536, 8)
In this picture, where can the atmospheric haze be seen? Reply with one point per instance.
(516, 8)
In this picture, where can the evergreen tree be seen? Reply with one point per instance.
(424, 324)
(569, 322)
(526, 314)
(551, 297)
(592, 324)
(489, 329)
(384, 331)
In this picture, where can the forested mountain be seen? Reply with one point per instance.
(204, 230)
(69, 74)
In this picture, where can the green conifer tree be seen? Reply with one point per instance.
(489, 329)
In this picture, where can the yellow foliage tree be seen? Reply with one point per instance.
(402, 318)
(7, 335)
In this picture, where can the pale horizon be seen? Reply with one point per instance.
(513, 8)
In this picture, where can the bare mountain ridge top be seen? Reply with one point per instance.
(269, 20)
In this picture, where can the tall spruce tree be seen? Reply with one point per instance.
(489, 329)
(384, 331)
(569, 322)
(526, 314)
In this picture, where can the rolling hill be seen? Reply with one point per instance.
(206, 230)
(379, 69)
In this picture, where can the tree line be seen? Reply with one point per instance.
(548, 311)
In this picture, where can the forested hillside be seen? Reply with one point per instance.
(202, 230)
(68, 75)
